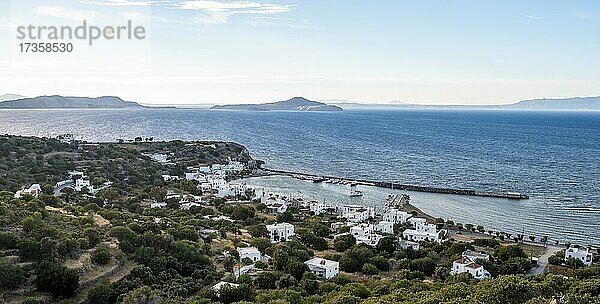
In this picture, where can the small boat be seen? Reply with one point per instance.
(354, 192)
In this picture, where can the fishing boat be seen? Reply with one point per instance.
(354, 192)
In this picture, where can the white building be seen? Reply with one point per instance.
(34, 190)
(277, 208)
(474, 255)
(83, 182)
(230, 189)
(408, 244)
(317, 208)
(371, 239)
(361, 230)
(357, 213)
(363, 233)
(167, 177)
(189, 205)
(465, 265)
(384, 227)
(195, 175)
(423, 232)
(66, 138)
(581, 253)
(249, 252)
(322, 268)
(396, 216)
(158, 205)
(217, 287)
(417, 221)
(281, 232)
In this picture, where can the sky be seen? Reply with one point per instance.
(220, 52)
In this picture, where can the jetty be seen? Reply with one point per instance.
(400, 186)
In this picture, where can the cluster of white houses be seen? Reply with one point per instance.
(213, 178)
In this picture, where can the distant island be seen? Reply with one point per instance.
(574, 103)
(294, 104)
(68, 102)
(549, 104)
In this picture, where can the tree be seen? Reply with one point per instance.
(57, 279)
(369, 269)
(507, 252)
(101, 256)
(257, 231)
(102, 293)
(11, 275)
(574, 263)
(355, 258)
(142, 295)
(344, 242)
(93, 236)
(387, 244)
(262, 244)
(424, 265)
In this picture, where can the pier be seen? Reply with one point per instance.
(399, 186)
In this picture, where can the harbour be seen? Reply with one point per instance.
(398, 186)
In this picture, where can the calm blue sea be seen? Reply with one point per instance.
(552, 156)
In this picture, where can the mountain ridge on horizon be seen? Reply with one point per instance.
(567, 103)
(15, 101)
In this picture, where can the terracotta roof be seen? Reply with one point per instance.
(473, 265)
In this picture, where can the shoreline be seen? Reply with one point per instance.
(509, 234)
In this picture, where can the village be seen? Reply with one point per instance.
(261, 239)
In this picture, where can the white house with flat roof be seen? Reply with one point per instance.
(580, 253)
(384, 227)
(417, 221)
(371, 239)
(322, 268)
(34, 190)
(281, 232)
(423, 232)
(466, 265)
(474, 255)
(408, 244)
(396, 216)
(249, 252)
(357, 213)
(83, 182)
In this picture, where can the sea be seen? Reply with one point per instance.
(554, 157)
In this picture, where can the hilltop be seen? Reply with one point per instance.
(68, 102)
(294, 104)
(6, 97)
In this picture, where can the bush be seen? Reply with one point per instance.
(344, 242)
(369, 269)
(486, 243)
(11, 276)
(101, 256)
(102, 293)
(555, 260)
(57, 279)
(8, 240)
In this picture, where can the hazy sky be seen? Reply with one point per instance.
(434, 52)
